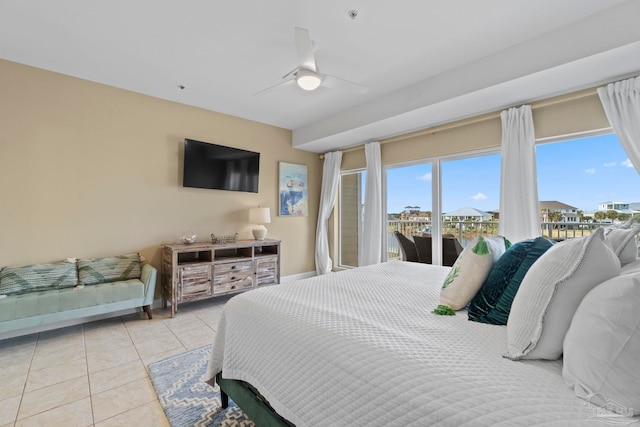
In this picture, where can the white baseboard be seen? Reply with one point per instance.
(298, 276)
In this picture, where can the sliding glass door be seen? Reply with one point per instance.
(409, 201)
(470, 197)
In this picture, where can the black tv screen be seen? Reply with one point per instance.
(219, 167)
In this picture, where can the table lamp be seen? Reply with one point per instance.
(259, 216)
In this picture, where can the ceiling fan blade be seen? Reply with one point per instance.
(305, 49)
(270, 88)
(291, 73)
(342, 84)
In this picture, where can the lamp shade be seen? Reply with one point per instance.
(259, 216)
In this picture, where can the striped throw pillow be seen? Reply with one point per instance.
(38, 277)
(102, 270)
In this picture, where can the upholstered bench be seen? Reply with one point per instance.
(46, 294)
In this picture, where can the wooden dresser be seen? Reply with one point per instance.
(205, 270)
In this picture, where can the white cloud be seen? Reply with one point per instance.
(610, 164)
(627, 163)
(479, 196)
(590, 171)
(425, 177)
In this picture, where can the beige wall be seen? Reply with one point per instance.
(88, 170)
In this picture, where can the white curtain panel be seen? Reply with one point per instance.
(372, 227)
(621, 102)
(330, 180)
(519, 206)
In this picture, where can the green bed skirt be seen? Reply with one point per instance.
(251, 403)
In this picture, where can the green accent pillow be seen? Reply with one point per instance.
(466, 276)
(38, 277)
(492, 303)
(102, 270)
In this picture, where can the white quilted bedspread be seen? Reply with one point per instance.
(362, 348)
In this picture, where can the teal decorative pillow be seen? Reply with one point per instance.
(39, 277)
(492, 303)
(102, 270)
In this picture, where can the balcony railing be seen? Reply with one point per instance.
(466, 231)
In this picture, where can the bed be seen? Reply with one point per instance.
(362, 347)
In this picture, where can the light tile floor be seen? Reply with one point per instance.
(96, 374)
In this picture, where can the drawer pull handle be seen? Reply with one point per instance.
(233, 287)
(233, 267)
(233, 277)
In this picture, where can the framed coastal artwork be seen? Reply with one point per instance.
(294, 197)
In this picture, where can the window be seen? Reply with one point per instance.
(582, 183)
(591, 177)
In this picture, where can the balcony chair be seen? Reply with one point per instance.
(451, 248)
(407, 247)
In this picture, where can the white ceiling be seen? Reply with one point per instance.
(426, 61)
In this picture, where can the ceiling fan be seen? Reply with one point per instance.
(306, 75)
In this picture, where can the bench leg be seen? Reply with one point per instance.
(147, 309)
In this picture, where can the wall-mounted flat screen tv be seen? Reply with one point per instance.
(218, 167)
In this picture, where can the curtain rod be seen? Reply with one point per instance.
(478, 119)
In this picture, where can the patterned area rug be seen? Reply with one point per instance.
(186, 398)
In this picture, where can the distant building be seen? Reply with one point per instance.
(413, 213)
(569, 213)
(620, 207)
(467, 214)
(416, 216)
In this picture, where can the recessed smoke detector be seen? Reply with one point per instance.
(352, 13)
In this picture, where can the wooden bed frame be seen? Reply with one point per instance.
(250, 401)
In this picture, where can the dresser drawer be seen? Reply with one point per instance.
(238, 284)
(194, 281)
(232, 277)
(232, 267)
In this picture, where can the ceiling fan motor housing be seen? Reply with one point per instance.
(307, 79)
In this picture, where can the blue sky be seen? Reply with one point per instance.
(581, 173)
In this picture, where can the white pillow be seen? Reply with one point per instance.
(627, 224)
(632, 267)
(497, 246)
(623, 242)
(551, 292)
(468, 273)
(602, 346)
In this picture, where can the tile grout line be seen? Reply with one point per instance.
(26, 378)
(86, 363)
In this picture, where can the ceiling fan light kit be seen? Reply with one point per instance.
(308, 80)
(307, 76)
